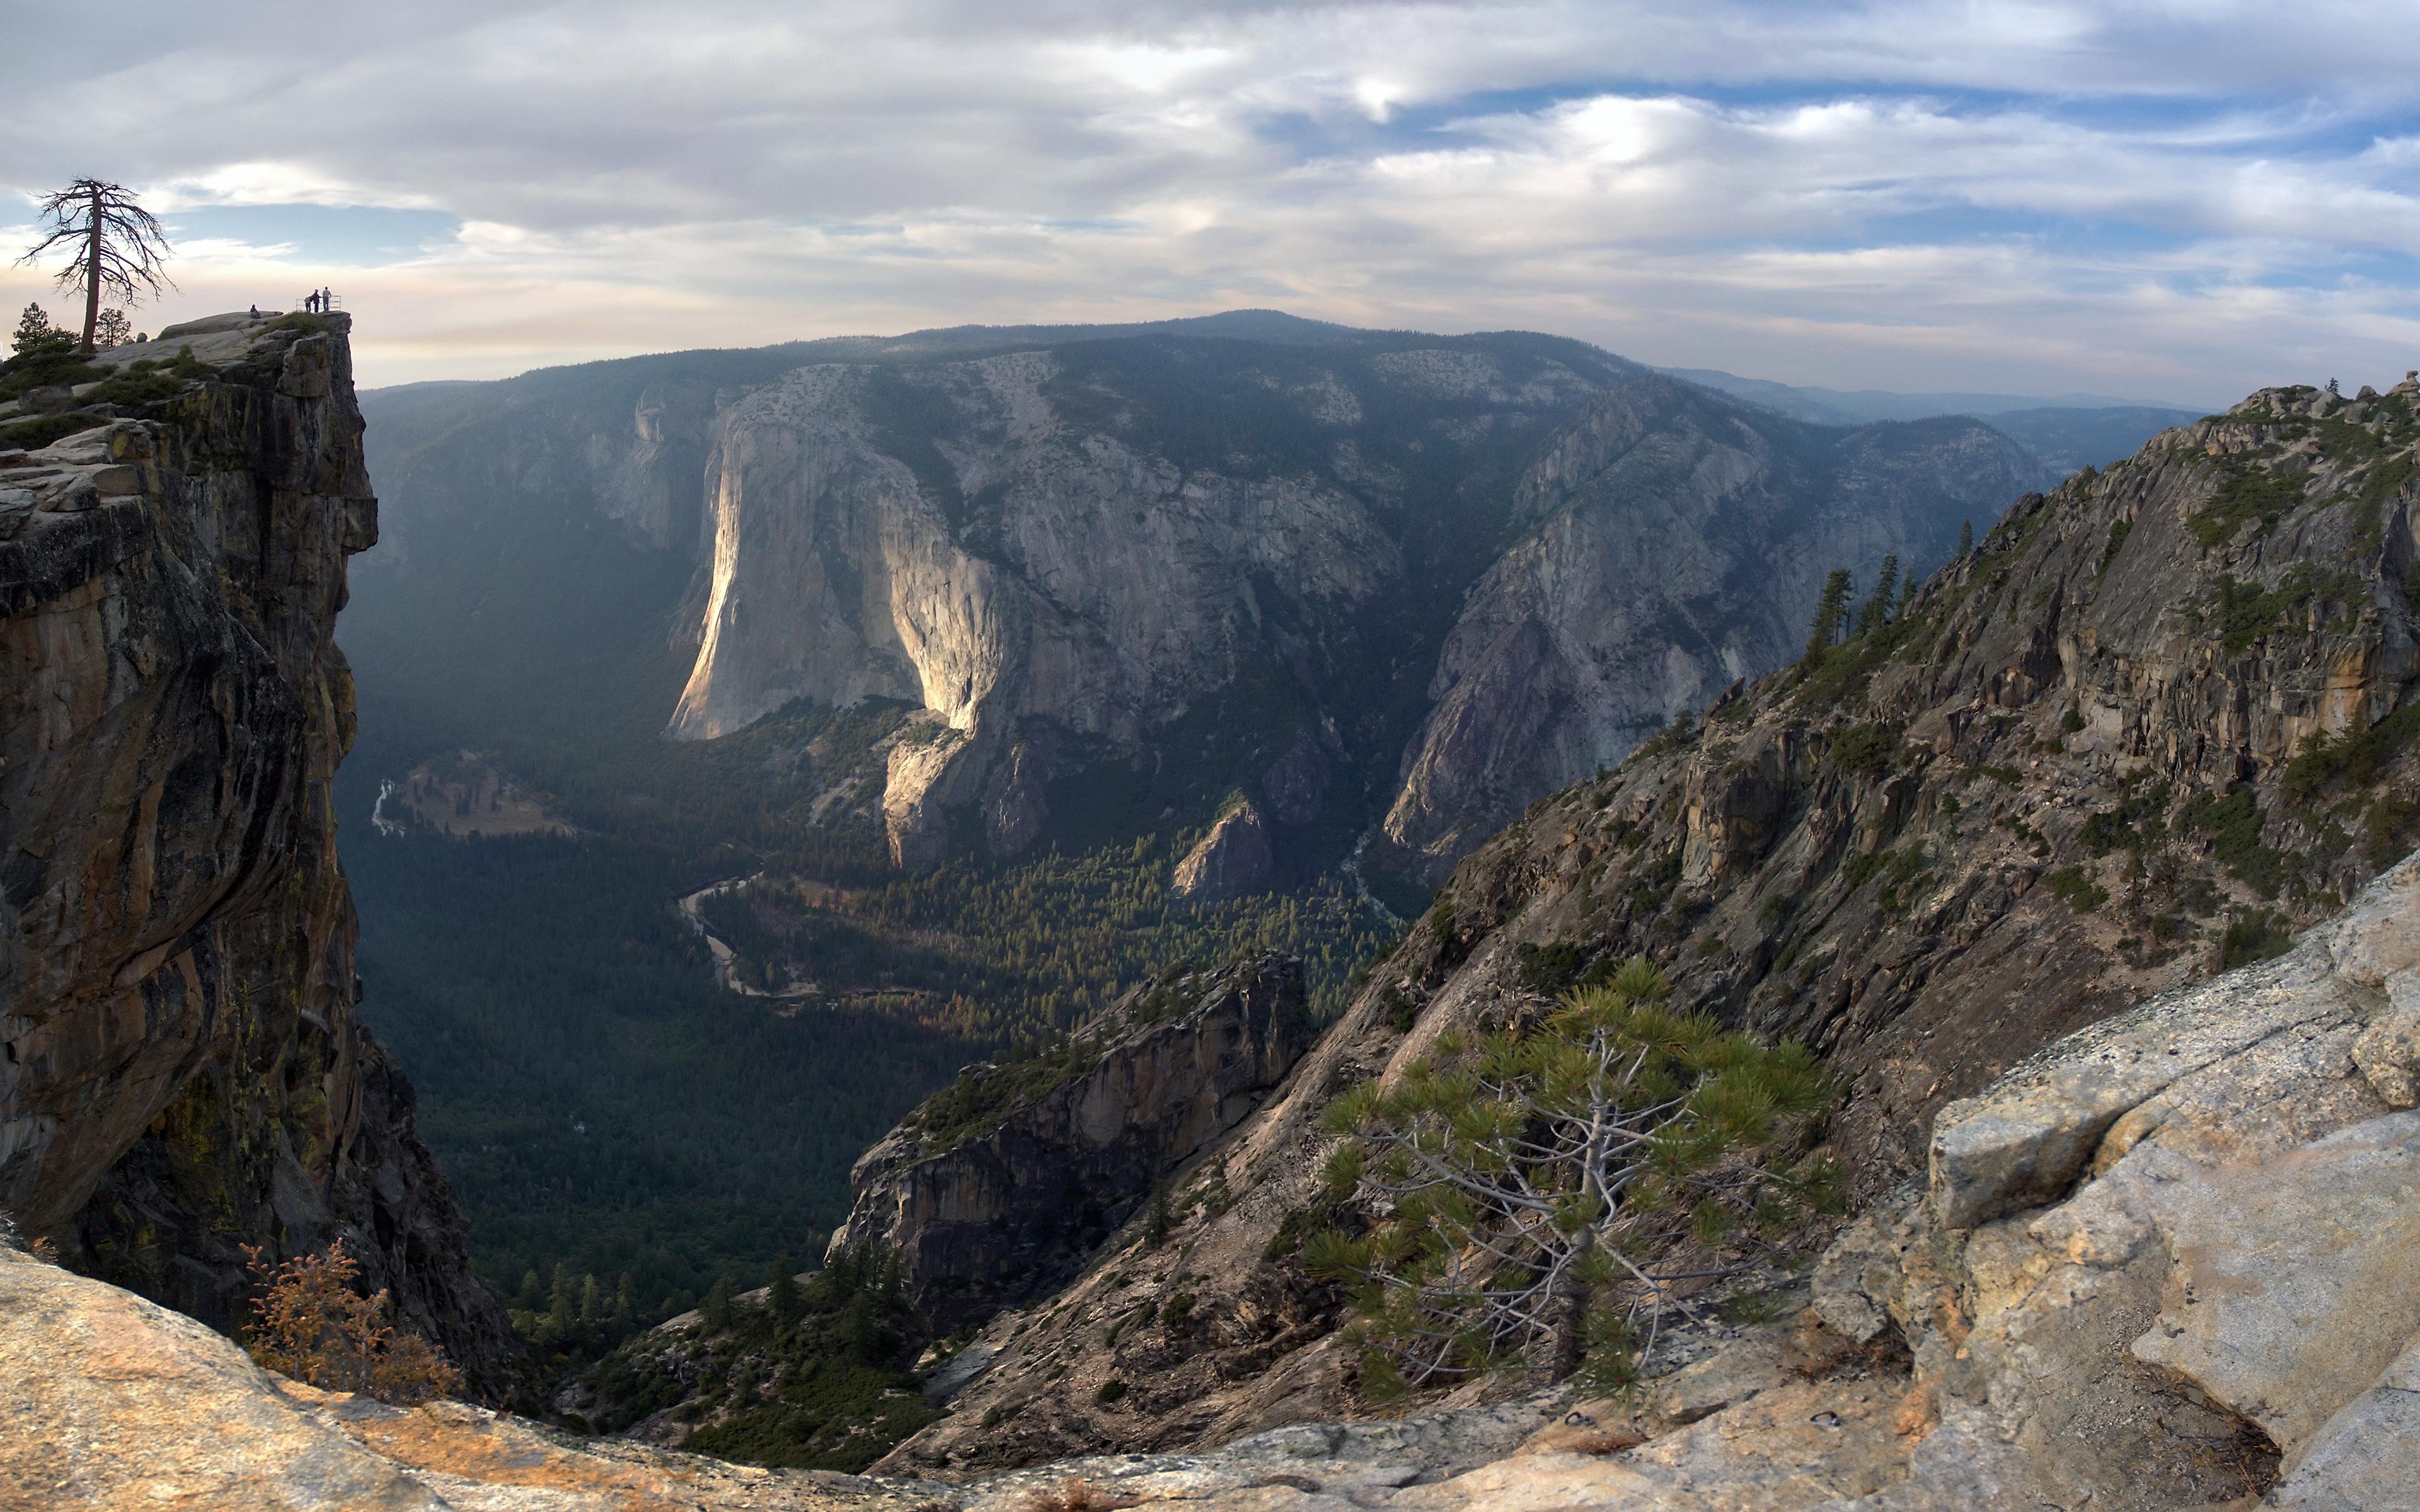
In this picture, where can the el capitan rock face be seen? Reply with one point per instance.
(185, 1071)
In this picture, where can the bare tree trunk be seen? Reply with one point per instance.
(92, 277)
(1568, 1345)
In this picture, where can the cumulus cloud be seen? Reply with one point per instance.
(2172, 198)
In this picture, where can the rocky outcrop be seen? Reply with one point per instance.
(1042, 574)
(113, 1402)
(1232, 860)
(2063, 784)
(998, 1188)
(2065, 781)
(2168, 1263)
(184, 1072)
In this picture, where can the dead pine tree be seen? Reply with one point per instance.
(120, 249)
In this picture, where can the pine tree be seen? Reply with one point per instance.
(559, 1310)
(37, 338)
(1876, 611)
(591, 1302)
(1154, 1229)
(117, 248)
(1965, 536)
(1531, 1184)
(788, 1304)
(532, 1292)
(624, 1306)
(1829, 612)
(112, 330)
(717, 1311)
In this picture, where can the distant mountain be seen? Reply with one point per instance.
(2064, 432)
(1858, 407)
(1384, 582)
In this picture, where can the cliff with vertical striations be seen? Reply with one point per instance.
(181, 1069)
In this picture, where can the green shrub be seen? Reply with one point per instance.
(2245, 495)
(1632, 1126)
(1867, 749)
(1110, 1391)
(32, 435)
(2255, 935)
(2354, 756)
(2234, 822)
(2080, 893)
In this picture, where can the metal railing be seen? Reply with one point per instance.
(336, 302)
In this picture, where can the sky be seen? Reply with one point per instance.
(2179, 200)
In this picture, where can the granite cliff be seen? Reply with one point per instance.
(2154, 722)
(184, 1070)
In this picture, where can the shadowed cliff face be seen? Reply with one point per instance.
(997, 1189)
(184, 1073)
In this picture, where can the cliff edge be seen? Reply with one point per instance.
(182, 1072)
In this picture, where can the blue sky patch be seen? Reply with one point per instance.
(333, 236)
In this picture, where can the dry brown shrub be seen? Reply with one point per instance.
(310, 1325)
(1078, 1495)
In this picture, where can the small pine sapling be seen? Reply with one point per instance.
(1531, 1185)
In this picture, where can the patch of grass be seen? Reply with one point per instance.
(2244, 496)
(2233, 823)
(300, 320)
(2078, 891)
(2256, 935)
(32, 435)
(1867, 749)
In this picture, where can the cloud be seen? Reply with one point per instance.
(2175, 197)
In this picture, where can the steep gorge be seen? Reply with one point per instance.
(185, 1072)
(2155, 721)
